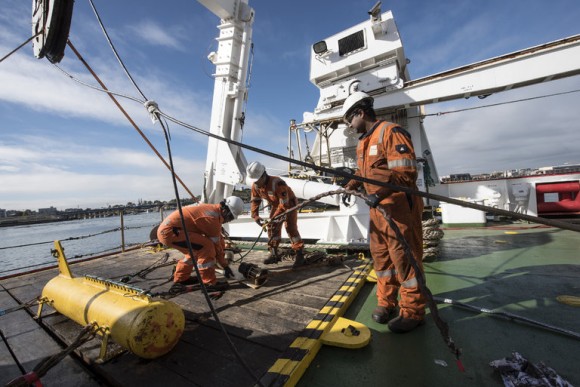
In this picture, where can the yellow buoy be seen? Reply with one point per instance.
(147, 327)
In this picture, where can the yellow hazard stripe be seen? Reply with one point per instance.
(293, 362)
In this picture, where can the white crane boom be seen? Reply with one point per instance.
(225, 163)
(543, 63)
(367, 57)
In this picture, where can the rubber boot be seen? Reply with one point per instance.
(404, 325)
(273, 257)
(382, 314)
(300, 261)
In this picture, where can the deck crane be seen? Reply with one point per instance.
(225, 163)
(367, 57)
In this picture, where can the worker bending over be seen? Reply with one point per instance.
(280, 197)
(203, 225)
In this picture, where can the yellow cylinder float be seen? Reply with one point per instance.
(147, 327)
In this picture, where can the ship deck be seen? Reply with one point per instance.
(261, 322)
(520, 269)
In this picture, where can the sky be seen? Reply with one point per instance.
(66, 145)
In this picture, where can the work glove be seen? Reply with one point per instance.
(346, 199)
(372, 200)
(261, 222)
(228, 273)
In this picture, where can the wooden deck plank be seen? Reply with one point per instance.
(31, 344)
(261, 322)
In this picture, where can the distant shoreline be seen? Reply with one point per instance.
(39, 219)
(23, 221)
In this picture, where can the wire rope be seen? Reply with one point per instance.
(196, 268)
(114, 49)
(19, 47)
(495, 104)
(98, 88)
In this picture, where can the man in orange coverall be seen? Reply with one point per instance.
(280, 197)
(203, 224)
(385, 153)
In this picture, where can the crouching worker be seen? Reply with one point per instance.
(280, 197)
(203, 225)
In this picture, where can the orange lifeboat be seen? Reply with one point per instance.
(558, 198)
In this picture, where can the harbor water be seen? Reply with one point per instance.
(28, 247)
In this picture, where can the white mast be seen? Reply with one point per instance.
(225, 163)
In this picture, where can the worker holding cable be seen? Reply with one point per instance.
(280, 197)
(385, 153)
(203, 225)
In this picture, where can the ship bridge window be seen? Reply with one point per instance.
(351, 43)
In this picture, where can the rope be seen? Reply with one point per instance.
(68, 239)
(98, 88)
(28, 304)
(550, 222)
(394, 187)
(495, 104)
(128, 117)
(331, 171)
(425, 291)
(74, 238)
(208, 297)
(153, 110)
(439, 322)
(19, 47)
(432, 234)
(33, 377)
(162, 262)
(509, 316)
(114, 50)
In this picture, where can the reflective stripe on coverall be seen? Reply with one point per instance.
(280, 197)
(204, 224)
(386, 153)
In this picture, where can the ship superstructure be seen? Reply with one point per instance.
(367, 57)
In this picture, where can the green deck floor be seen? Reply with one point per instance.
(519, 269)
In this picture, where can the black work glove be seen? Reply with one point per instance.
(260, 221)
(228, 273)
(346, 199)
(373, 200)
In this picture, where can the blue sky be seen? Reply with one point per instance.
(65, 145)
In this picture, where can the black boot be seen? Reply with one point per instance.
(273, 257)
(404, 325)
(300, 261)
(382, 314)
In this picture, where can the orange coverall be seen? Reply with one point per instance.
(280, 197)
(385, 153)
(203, 224)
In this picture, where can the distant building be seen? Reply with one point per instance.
(460, 177)
(47, 211)
(2, 213)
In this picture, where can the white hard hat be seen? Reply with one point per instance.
(235, 205)
(255, 170)
(357, 98)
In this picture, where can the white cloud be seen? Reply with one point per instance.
(526, 134)
(152, 33)
(38, 175)
(82, 151)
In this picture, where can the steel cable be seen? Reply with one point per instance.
(411, 261)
